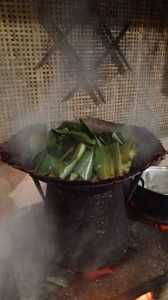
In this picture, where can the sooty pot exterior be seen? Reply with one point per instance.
(91, 228)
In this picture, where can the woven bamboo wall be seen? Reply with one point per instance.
(28, 95)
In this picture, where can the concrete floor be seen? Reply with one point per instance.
(17, 190)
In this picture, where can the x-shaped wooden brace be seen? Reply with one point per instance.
(85, 79)
(97, 63)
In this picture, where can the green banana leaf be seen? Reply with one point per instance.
(61, 145)
(67, 154)
(36, 160)
(104, 163)
(110, 138)
(37, 144)
(47, 165)
(127, 167)
(79, 136)
(128, 152)
(91, 134)
(121, 137)
(74, 152)
(107, 138)
(117, 159)
(125, 152)
(54, 142)
(84, 167)
(72, 126)
(116, 137)
(124, 133)
(73, 176)
(63, 169)
(133, 151)
(107, 162)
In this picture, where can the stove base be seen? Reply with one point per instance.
(33, 251)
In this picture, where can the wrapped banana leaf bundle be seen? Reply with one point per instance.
(73, 151)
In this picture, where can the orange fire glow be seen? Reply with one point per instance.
(161, 227)
(148, 296)
(158, 226)
(95, 274)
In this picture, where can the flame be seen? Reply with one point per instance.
(95, 274)
(161, 227)
(148, 296)
(158, 226)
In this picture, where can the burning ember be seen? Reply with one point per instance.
(161, 227)
(148, 296)
(94, 275)
(157, 226)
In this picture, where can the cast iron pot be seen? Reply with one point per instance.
(150, 199)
